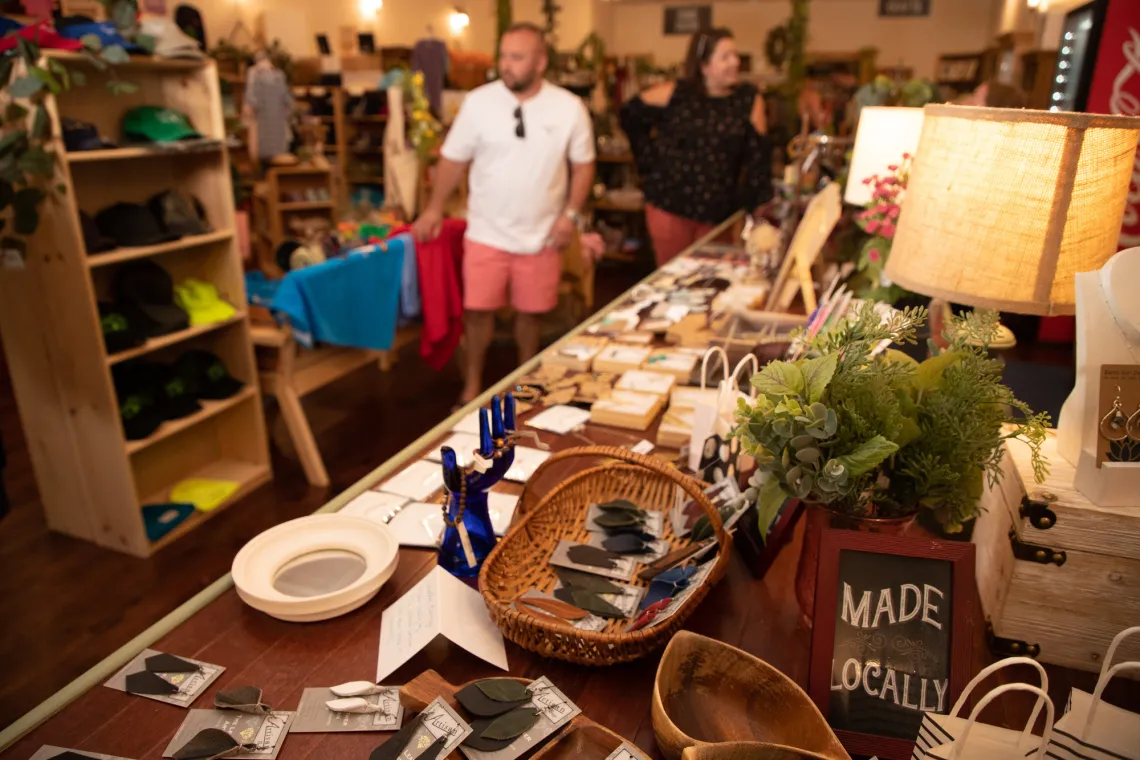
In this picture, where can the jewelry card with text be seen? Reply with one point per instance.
(1118, 414)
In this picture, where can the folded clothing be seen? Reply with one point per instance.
(201, 301)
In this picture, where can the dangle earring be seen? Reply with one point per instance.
(1133, 425)
(1114, 425)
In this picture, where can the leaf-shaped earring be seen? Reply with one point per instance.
(210, 744)
(1133, 425)
(246, 699)
(1114, 425)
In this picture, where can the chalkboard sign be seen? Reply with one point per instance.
(893, 625)
(687, 19)
(904, 7)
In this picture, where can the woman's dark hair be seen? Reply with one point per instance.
(701, 48)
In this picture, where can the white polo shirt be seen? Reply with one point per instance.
(518, 186)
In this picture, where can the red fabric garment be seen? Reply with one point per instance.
(440, 263)
(43, 35)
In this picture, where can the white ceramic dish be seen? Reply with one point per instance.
(315, 567)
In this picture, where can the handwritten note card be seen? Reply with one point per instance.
(439, 605)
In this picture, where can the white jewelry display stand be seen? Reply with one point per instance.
(1108, 332)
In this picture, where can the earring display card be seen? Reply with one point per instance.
(438, 720)
(654, 521)
(645, 381)
(314, 717)
(619, 569)
(526, 462)
(266, 731)
(627, 752)
(555, 710)
(627, 601)
(48, 752)
(656, 549)
(417, 481)
(374, 505)
(463, 444)
(188, 685)
(1118, 414)
(589, 623)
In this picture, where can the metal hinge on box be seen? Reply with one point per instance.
(1009, 647)
(1036, 509)
(1033, 553)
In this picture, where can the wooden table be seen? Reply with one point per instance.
(758, 616)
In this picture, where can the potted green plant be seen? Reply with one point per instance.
(867, 437)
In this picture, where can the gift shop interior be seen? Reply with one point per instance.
(603, 379)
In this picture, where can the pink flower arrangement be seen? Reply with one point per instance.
(880, 217)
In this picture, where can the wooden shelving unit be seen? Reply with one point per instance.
(92, 480)
(272, 215)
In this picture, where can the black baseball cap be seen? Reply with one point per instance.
(119, 334)
(81, 135)
(145, 292)
(206, 376)
(132, 224)
(158, 383)
(138, 406)
(179, 213)
(93, 240)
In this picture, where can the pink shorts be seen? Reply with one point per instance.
(533, 278)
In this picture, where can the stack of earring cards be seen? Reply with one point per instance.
(577, 353)
(627, 409)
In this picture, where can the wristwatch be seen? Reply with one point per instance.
(573, 216)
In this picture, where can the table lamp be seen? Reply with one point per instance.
(1004, 210)
(885, 133)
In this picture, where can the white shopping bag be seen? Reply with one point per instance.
(1092, 729)
(937, 730)
(706, 409)
(981, 741)
(721, 455)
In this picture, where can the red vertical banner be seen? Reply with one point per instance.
(1115, 89)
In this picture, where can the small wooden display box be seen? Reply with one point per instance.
(1057, 578)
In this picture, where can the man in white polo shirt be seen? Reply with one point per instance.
(530, 147)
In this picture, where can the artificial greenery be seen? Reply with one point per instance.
(27, 155)
(884, 91)
(873, 433)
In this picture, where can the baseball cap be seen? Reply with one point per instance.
(81, 135)
(159, 383)
(169, 40)
(160, 519)
(93, 240)
(206, 376)
(131, 224)
(144, 291)
(138, 410)
(202, 302)
(157, 124)
(118, 332)
(179, 213)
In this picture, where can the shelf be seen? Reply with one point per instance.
(154, 344)
(119, 154)
(249, 476)
(305, 205)
(173, 427)
(137, 61)
(143, 251)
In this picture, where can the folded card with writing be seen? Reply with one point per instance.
(627, 752)
(439, 605)
(417, 481)
(374, 505)
(48, 752)
(560, 419)
(570, 555)
(645, 381)
(548, 709)
(315, 716)
(173, 680)
(267, 732)
(526, 462)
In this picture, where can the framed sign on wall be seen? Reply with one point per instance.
(687, 19)
(904, 7)
(894, 621)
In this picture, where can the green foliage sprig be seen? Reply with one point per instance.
(881, 435)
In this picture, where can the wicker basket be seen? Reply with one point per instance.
(520, 561)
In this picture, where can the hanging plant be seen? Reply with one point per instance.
(27, 155)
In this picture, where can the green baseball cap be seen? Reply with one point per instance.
(157, 124)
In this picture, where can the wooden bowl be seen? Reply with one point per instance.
(707, 692)
(745, 751)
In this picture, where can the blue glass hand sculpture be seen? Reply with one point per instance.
(470, 536)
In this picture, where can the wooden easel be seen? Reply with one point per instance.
(820, 218)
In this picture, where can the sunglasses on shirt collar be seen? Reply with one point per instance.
(520, 128)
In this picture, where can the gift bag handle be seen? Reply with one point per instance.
(995, 667)
(1105, 677)
(960, 742)
(748, 359)
(713, 351)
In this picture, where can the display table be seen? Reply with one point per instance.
(758, 616)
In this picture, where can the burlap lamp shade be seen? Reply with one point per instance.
(885, 133)
(1004, 206)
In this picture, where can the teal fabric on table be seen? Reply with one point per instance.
(351, 301)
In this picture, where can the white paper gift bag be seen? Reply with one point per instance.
(721, 455)
(1092, 729)
(981, 741)
(937, 730)
(707, 407)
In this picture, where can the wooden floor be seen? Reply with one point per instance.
(67, 604)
